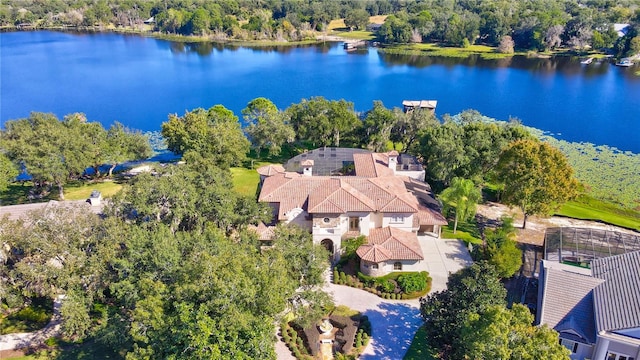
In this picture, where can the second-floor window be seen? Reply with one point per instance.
(397, 219)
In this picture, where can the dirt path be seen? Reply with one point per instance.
(536, 226)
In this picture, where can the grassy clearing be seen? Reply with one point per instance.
(336, 24)
(419, 349)
(467, 232)
(485, 52)
(18, 193)
(81, 190)
(245, 181)
(591, 209)
(31, 318)
(356, 34)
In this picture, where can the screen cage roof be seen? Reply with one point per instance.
(579, 246)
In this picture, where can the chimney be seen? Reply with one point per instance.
(393, 160)
(307, 167)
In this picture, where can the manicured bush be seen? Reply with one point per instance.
(386, 285)
(336, 276)
(413, 282)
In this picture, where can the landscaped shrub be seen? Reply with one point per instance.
(336, 276)
(413, 282)
(386, 285)
(368, 281)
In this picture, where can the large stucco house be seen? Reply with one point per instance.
(339, 193)
(595, 310)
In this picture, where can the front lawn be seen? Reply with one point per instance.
(467, 232)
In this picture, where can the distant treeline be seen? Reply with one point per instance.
(529, 25)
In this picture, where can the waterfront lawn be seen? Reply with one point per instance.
(587, 208)
(356, 34)
(419, 349)
(432, 49)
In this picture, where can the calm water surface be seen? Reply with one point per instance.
(139, 81)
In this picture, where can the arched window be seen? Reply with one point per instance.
(397, 265)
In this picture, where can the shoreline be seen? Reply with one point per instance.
(422, 49)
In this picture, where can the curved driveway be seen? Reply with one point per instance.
(395, 322)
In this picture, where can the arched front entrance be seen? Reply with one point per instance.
(328, 244)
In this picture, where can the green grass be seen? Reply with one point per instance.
(419, 349)
(355, 34)
(245, 181)
(18, 192)
(80, 190)
(467, 232)
(342, 310)
(31, 318)
(586, 208)
(485, 52)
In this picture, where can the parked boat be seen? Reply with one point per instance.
(587, 61)
(625, 62)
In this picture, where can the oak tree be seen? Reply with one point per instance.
(536, 177)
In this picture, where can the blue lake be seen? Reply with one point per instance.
(139, 81)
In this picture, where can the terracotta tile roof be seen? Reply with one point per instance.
(264, 232)
(372, 165)
(308, 162)
(338, 196)
(392, 243)
(429, 216)
(271, 169)
(342, 194)
(374, 253)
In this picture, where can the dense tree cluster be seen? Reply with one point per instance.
(53, 152)
(469, 320)
(531, 25)
(170, 272)
(465, 146)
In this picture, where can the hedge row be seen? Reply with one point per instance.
(294, 342)
(385, 287)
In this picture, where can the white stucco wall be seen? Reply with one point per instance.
(406, 224)
(387, 267)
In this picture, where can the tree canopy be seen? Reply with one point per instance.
(501, 333)
(54, 151)
(463, 196)
(323, 122)
(266, 126)
(536, 177)
(214, 134)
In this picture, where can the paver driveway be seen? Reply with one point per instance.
(395, 322)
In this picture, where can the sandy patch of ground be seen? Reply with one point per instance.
(536, 226)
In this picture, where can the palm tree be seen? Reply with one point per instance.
(463, 196)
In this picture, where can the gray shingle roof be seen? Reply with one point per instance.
(568, 302)
(617, 300)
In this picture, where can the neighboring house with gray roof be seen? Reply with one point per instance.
(377, 201)
(597, 310)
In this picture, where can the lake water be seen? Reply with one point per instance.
(139, 81)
